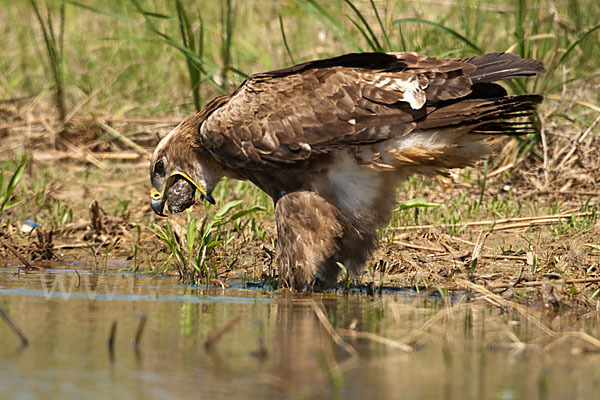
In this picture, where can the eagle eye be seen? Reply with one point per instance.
(159, 168)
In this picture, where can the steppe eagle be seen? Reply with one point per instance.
(330, 141)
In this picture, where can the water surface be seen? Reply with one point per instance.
(404, 346)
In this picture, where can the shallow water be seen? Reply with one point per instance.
(277, 347)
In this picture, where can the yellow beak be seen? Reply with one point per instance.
(158, 198)
(156, 195)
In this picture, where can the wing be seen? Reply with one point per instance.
(281, 118)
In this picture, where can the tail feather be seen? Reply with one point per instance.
(477, 112)
(509, 128)
(497, 66)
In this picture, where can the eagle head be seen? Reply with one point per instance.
(179, 166)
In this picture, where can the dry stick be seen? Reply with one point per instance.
(484, 256)
(378, 339)
(500, 301)
(106, 155)
(141, 120)
(581, 335)
(332, 332)
(540, 283)
(580, 139)
(580, 102)
(150, 121)
(417, 247)
(82, 153)
(537, 220)
(544, 148)
(503, 257)
(500, 170)
(210, 343)
(140, 331)
(14, 327)
(17, 124)
(124, 139)
(532, 223)
(60, 155)
(23, 260)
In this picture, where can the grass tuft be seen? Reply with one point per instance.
(53, 33)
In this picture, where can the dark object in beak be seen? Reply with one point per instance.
(180, 195)
(158, 206)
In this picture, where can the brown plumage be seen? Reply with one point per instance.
(330, 140)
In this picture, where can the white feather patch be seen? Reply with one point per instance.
(355, 186)
(163, 142)
(413, 94)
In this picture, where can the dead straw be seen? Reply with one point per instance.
(23, 260)
(14, 328)
(211, 342)
(332, 332)
(124, 139)
(540, 283)
(499, 301)
(418, 247)
(521, 222)
(378, 339)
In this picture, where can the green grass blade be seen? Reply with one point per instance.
(227, 21)
(236, 71)
(375, 45)
(285, 42)
(416, 203)
(54, 55)
(566, 55)
(187, 38)
(99, 11)
(519, 29)
(227, 207)
(245, 212)
(198, 61)
(154, 15)
(372, 45)
(443, 28)
(12, 183)
(381, 26)
(330, 23)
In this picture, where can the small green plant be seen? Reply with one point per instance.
(348, 279)
(38, 191)
(102, 252)
(60, 214)
(192, 248)
(7, 186)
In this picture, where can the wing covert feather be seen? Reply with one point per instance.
(282, 118)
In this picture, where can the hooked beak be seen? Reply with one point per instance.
(157, 202)
(158, 199)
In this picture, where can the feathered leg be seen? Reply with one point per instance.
(313, 237)
(307, 231)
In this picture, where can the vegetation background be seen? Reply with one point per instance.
(88, 87)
